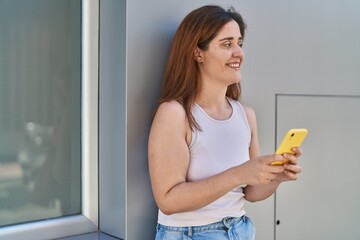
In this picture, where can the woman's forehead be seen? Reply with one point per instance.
(230, 29)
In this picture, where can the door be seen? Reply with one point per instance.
(323, 203)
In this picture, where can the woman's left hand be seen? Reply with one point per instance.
(291, 168)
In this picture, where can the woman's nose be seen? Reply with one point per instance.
(238, 52)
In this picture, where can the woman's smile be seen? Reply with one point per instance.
(235, 66)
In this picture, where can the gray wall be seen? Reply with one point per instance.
(291, 47)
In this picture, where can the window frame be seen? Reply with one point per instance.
(88, 220)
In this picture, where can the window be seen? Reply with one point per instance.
(40, 110)
(59, 39)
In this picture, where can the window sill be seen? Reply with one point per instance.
(91, 236)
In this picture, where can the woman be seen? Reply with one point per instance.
(203, 147)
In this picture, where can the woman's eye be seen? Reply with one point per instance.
(228, 44)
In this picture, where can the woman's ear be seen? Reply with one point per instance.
(198, 55)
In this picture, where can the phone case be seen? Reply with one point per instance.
(293, 138)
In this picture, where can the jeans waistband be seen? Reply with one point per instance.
(224, 224)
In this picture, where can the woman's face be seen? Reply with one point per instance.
(221, 62)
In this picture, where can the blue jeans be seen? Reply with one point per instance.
(229, 228)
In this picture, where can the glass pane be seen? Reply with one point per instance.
(40, 93)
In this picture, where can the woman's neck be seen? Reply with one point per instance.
(214, 102)
(211, 96)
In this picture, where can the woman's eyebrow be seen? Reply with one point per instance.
(229, 39)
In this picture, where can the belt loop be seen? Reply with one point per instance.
(189, 231)
(226, 222)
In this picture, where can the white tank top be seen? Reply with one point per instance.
(220, 145)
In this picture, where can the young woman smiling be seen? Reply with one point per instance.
(204, 156)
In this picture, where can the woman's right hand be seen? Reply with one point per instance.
(260, 171)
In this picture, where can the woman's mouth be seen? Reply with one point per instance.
(234, 65)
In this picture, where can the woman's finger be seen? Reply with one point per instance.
(292, 158)
(296, 169)
(297, 151)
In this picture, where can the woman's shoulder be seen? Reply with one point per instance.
(172, 107)
(249, 111)
(170, 121)
(171, 112)
(250, 115)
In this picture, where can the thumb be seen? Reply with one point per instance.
(274, 158)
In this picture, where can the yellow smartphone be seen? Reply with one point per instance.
(293, 138)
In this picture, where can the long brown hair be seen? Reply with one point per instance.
(181, 80)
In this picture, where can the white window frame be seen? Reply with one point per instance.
(88, 220)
